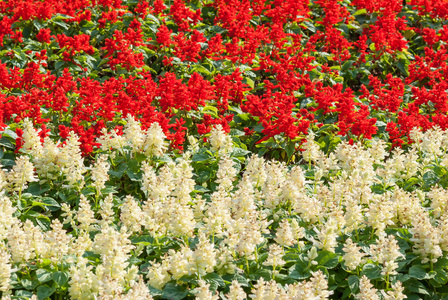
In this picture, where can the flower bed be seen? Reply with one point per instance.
(223, 149)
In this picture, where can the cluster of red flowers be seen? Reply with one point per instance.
(288, 65)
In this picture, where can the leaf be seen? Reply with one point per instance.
(417, 272)
(154, 292)
(139, 157)
(290, 148)
(134, 176)
(416, 286)
(266, 274)
(29, 284)
(309, 26)
(24, 294)
(215, 280)
(403, 66)
(173, 291)
(410, 183)
(360, 12)
(119, 172)
(204, 175)
(60, 278)
(52, 204)
(371, 271)
(249, 82)
(44, 291)
(43, 275)
(200, 157)
(353, 283)
(26, 32)
(430, 178)
(10, 133)
(36, 189)
(201, 189)
(238, 152)
(327, 259)
(44, 222)
(238, 277)
(299, 273)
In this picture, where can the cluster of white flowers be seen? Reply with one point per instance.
(267, 207)
(21, 174)
(99, 173)
(151, 142)
(219, 140)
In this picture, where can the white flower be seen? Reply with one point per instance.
(204, 256)
(31, 140)
(21, 174)
(386, 251)
(85, 214)
(312, 150)
(5, 269)
(396, 293)
(275, 256)
(366, 290)
(203, 291)
(236, 292)
(285, 235)
(83, 282)
(99, 172)
(134, 134)
(158, 275)
(220, 141)
(131, 214)
(154, 143)
(352, 256)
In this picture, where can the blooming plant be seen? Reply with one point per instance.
(213, 149)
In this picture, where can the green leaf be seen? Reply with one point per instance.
(119, 172)
(416, 286)
(310, 26)
(290, 148)
(134, 176)
(327, 259)
(44, 222)
(430, 178)
(300, 270)
(108, 190)
(266, 274)
(353, 283)
(203, 175)
(139, 157)
(238, 152)
(60, 278)
(410, 183)
(36, 189)
(360, 12)
(214, 280)
(238, 277)
(44, 291)
(52, 204)
(24, 294)
(43, 275)
(371, 271)
(201, 189)
(249, 82)
(403, 66)
(173, 291)
(417, 272)
(29, 284)
(154, 292)
(200, 157)
(26, 32)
